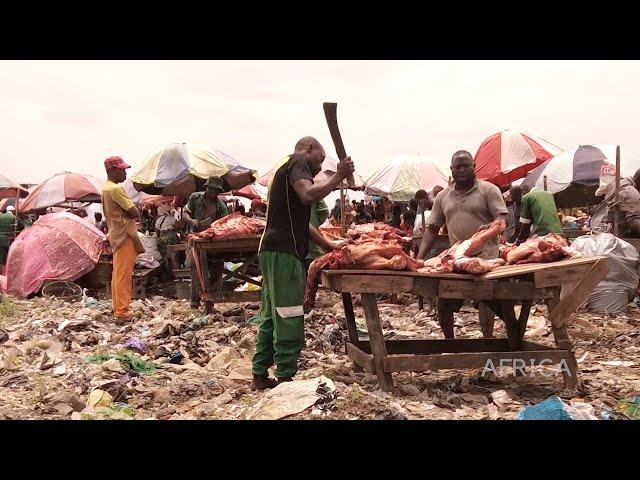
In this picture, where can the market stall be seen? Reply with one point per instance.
(243, 247)
(501, 289)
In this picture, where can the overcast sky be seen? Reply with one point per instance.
(71, 115)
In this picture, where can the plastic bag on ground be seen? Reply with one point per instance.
(619, 287)
(553, 408)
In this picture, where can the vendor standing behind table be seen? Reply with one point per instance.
(202, 209)
(538, 214)
(362, 216)
(165, 229)
(629, 222)
(465, 206)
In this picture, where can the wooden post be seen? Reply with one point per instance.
(544, 179)
(616, 211)
(376, 339)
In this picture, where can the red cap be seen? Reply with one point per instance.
(115, 162)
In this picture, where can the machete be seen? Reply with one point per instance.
(331, 114)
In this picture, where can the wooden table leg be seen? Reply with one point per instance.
(562, 340)
(206, 275)
(378, 348)
(511, 322)
(352, 328)
(420, 302)
(524, 316)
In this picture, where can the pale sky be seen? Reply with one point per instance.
(71, 115)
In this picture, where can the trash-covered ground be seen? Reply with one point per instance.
(64, 360)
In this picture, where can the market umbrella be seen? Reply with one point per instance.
(61, 189)
(182, 168)
(250, 192)
(573, 176)
(58, 246)
(404, 175)
(508, 155)
(11, 189)
(329, 165)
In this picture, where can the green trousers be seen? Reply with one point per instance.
(281, 333)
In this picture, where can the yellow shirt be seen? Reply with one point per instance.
(115, 203)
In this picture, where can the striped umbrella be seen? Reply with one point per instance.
(404, 175)
(63, 188)
(509, 155)
(11, 189)
(574, 175)
(329, 165)
(182, 168)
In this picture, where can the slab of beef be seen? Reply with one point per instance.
(476, 265)
(458, 258)
(365, 255)
(549, 248)
(232, 225)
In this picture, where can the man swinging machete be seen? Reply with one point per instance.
(282, 252)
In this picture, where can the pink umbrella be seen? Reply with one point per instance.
(249, 192)
(63, 188)
(58, 246)
(10, 188)
(509, 155)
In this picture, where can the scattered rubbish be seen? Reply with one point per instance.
(501, 398)
(553, 408)
(176, 358)
(128, 361)
(136, 343)
(630, 408)
(99, 398)
(289, 398)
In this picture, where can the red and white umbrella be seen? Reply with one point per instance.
(510, 155)
(63, 188)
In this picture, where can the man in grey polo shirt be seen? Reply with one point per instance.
(467, 205)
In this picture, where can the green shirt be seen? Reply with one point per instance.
(196, 207)
(539, 209)
(319, 213)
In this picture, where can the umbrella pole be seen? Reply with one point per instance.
(544, 180)
(15, 224)
(342, 213)
(616, 221)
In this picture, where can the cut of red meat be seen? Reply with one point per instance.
(232, 225)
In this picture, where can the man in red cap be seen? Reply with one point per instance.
(120, 214)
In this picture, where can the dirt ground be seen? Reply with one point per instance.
(62, 360)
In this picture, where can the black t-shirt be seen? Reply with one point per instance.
(287, 227)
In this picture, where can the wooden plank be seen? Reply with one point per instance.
(500, 272)
(360, 358)
(513, 270)
(425, 287)
(233, 297)
(465, 290)
(529, 346)
(376, 284)
(377, 340)
(421, 363)
(332, 282)
(562, 312)
(444, 345)
(570, 274)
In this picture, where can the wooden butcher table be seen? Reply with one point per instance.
(501, 289)
(243, 247)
